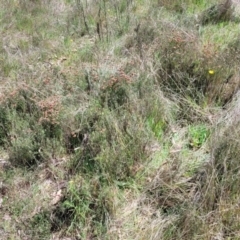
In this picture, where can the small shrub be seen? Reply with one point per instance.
(49, 119)
(52, 130)
(83, 124)
(5, 124)
(23, 153)
(25, 146)
(115, 93)
(23, 102)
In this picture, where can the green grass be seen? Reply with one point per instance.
(198, 135)
(117, 122)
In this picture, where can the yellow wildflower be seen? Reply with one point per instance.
(211, 72)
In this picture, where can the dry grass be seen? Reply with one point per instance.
(118, 120)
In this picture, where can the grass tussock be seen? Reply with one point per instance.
(119, 120)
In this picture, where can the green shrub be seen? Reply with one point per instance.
(22, 101)
(115, 93)
(52, 130)
(82, 125)
(25, 144)
(31, 123)
(5, 124)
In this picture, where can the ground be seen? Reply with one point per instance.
(119, 120)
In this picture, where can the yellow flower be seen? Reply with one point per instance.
(211, 72)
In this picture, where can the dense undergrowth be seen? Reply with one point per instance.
(119, 120)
